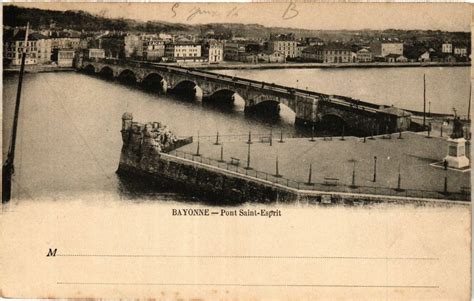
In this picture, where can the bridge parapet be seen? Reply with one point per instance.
(310, 107)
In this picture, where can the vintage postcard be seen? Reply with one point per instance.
(236, 151)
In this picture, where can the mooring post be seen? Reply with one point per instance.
(217, 138)
(249, 141)
(441, 134)
(281, 136)
(342, 135)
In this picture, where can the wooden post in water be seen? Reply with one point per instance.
(217, 138)
(249, 141)
(8, 167)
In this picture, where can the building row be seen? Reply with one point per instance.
(44, 48)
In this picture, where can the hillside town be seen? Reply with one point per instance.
(59, 47)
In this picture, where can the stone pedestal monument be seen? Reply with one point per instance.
(456, 157)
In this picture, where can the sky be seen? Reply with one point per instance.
(325, 16)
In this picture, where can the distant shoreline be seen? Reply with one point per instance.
(233, 66)
(260, 66)
(39, 69)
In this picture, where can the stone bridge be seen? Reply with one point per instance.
(311, 108)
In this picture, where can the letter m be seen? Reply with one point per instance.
(51, 252)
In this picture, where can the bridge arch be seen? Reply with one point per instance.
(187, 89)
(106, 72)
(127, 76)
(222, 95)
(154, 82)
(333, 123)
(89, 69)
(266, 108)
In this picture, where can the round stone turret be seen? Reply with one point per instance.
(127, 119)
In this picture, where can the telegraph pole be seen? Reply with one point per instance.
(8, 166)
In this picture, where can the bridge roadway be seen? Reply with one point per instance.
(311, 108)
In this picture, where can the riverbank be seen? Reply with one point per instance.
(295, 65)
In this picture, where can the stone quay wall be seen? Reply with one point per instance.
(145, 153)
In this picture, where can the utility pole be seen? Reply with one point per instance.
(8, 167)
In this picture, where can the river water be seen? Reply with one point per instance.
(446, 87)
(69, 132)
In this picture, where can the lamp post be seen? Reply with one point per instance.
(375, 169)
(271, 136)
(353, 185)
(310, 174)
(399, 182)
(445, 190)
(277, 173)
(197, 149)
(248, 158)
(217, 138)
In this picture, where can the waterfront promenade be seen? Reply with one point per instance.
(339, 165)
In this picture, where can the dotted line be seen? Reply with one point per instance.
(249, 285)
(247, 257)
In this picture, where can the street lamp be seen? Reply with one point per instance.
(353, 174)
(375, 169)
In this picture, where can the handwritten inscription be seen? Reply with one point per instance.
(290, 12)
(197, 11)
